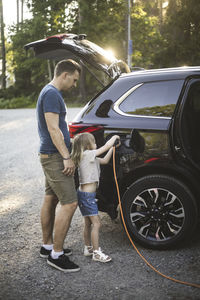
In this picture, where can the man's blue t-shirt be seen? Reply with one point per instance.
(51, 100)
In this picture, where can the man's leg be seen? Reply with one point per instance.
(48, 217)
(62, 222)
(57, 259)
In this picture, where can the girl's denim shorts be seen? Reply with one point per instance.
(87, 203)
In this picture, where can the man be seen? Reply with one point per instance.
(57, 166)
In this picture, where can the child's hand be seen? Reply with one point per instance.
(117, 142)
(108, 147)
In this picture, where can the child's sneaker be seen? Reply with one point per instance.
(88, 250)
(98, 255)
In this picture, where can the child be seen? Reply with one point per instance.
(85, 156)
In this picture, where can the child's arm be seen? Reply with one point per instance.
(106, 158)
(107, 146)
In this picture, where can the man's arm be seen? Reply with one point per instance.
(52, 120)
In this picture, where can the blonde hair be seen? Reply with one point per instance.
(81, 142)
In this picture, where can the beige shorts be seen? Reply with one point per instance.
(56, 183)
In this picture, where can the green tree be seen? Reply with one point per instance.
(109, 29)
(104, 23)
(2, 49)
(145, 35)
(29, 73)
(181, 33)
(52, 12)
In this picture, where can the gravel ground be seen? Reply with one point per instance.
(24, 275)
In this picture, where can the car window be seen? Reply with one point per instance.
(194, 97)
(190, 122)
(153, 99)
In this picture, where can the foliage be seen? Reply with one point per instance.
(181, 33)
(159, 39)
(159, 111)
(104, 23)
(17, 102)
(28, 72)
(152, 8)
(51, 13)
(146, 37)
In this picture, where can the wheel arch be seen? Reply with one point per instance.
(183, 175)
(150, 222)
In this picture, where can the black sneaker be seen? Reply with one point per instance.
(63, 264)
(45, 253)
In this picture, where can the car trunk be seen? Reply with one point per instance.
(73, 46)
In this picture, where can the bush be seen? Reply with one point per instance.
(18, 102)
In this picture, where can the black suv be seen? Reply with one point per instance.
(156, 113)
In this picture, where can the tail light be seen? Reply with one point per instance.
(75, 128)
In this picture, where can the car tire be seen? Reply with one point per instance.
(159, 211)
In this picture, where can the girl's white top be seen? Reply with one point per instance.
(89, 167)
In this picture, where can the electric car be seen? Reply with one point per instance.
(156, 113)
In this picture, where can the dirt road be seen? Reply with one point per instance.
(24, 275)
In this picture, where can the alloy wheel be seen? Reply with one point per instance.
(157, 214)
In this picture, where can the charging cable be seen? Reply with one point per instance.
(138, 252)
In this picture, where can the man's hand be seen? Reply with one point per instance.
(69, 167)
